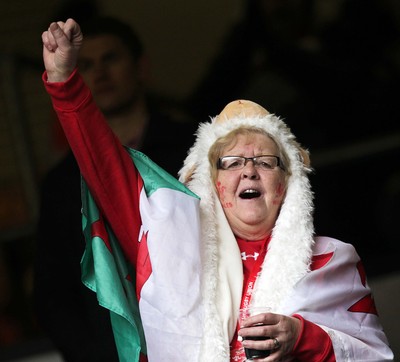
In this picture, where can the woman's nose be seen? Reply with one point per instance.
(250, 171)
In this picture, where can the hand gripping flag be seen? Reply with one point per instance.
(164, 317)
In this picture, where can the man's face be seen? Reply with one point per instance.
(111, 72)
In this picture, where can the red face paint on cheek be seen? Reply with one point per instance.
(221, 192)
(220, 189)
(280, 190)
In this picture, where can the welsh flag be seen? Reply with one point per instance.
(156, 308)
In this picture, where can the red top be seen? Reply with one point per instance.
(313, 343)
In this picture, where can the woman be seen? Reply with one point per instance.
(251, 239)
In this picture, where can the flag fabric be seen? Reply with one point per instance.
(155, 306)
(105, 271)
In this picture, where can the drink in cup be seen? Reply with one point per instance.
(252, 353)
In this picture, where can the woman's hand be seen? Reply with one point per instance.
(61, 44)
(282, 333)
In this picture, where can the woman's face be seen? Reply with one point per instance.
(251, 197)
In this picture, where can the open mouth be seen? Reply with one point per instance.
(249, 194)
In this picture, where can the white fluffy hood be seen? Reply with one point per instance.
(289, 253)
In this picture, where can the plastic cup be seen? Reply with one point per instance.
(245, 313)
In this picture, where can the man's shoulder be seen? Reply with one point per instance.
(168, 138)
(172, 118)
(171, 127)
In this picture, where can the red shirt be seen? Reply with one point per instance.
(313, 343)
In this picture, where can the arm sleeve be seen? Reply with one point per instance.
(104, 164)
(313, 343)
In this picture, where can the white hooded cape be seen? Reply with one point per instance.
(285, 281)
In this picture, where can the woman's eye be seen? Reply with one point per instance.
(233, 164)
(265, 165)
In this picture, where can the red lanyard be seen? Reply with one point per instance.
(237, 352)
